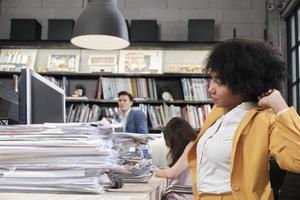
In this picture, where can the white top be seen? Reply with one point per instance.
(123, 117)
(184, 179)
(214, 151)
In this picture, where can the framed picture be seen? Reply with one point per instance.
(67, 62)
(184, 68)
(138, 61)
(15, 59)
(187, 61)
(102, 63)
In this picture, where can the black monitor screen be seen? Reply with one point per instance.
(40, 101)
(8, 105)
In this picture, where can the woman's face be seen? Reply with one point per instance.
(221, 94)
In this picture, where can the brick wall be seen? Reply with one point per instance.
(247, 16)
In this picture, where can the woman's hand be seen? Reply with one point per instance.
(272, 99)
(162, 172)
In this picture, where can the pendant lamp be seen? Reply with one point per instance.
(100, 26)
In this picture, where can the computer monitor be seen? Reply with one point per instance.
(8, 106)
(40, 101)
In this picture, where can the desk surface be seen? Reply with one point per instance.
(130, 191)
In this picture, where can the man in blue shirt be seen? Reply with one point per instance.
(134, 121)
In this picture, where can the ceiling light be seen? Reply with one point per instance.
(100, 26)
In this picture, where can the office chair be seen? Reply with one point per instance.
(291, 187)
(176, 189)
(276, 177)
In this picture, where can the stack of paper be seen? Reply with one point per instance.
(136, 156)
(56, 158)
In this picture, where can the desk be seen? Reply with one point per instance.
(130, 191)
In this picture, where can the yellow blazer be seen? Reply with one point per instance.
(259, 134)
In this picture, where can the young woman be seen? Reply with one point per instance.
(179, 137)
(249, 122)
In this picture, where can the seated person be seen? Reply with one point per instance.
(179, 137)
(134, 121)
(250, 122)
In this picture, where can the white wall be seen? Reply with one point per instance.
(247, 16)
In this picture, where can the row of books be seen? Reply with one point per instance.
(195, 115)
(158, 115)
(195, 89)
(138, 87)
(92, 113)
(108, 88)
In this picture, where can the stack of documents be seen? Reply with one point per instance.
(135, 155)
(56, 158)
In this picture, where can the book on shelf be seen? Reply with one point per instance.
(98, 94)
(65, 85)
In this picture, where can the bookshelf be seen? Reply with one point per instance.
(188, 91)
(157, 110)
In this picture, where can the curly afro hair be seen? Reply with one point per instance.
(247, 67)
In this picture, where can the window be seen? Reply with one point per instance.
(293, 38)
